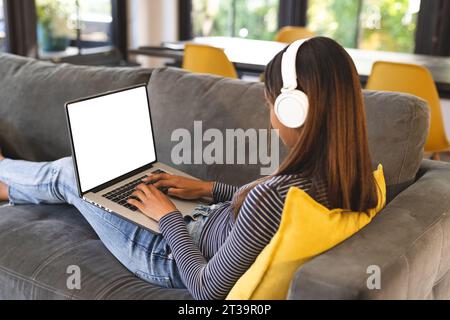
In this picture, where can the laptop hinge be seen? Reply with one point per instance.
(120, 179)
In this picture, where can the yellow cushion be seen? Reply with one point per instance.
(307, 230)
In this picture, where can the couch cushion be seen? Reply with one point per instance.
(32, 98)
(397, 123)
(39, 243)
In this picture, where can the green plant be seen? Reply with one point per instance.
(388, 25)
(53, 17)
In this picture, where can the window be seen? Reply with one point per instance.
(388, 25)
(74, 31)
(96, 22)
(73, 23)
(2, 28)
(252, 19)
(335, 19)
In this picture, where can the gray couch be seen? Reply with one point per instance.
(409, 240)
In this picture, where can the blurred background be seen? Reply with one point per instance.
(60, 25)
(154, 33)
(367, 24)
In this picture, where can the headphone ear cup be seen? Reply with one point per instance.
(291, 108)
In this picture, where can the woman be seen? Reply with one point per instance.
(329, 159)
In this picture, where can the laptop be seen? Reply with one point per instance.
(113, 149)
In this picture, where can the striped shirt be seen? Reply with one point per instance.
(229, 247)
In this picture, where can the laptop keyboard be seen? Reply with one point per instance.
(124, 193)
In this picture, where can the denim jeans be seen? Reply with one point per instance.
(145, 254)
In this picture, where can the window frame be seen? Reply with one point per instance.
(293, 13)
(433, 38)
(20, 21)
(185, 25)
(3, 13)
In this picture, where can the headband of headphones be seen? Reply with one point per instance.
(289, 66)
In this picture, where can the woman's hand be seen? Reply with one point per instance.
(182, 188)
(152, 202)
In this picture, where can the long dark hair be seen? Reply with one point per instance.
(333, 144)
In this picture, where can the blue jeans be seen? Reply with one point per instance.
(145, 254)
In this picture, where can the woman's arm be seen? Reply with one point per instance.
(223, 192)
(190, 189)
(180, 187)
(258, 222)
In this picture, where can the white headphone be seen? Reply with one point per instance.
(292, 106)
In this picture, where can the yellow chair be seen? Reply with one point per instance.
(291, 34)
(206, 59)
(418, 81)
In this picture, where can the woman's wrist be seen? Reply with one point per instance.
(208, 189)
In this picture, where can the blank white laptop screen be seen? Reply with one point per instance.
(112, 136)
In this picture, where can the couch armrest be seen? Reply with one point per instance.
(409, 241)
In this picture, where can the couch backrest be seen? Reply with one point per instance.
(398, 127)
(32, 98)
(397, 123)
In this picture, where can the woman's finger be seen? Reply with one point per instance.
(140, 195)
(144, 189)
(157, 177)
(151, 188)
(171, 183)
(175, 192)
(136, 203)
(154, 191)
